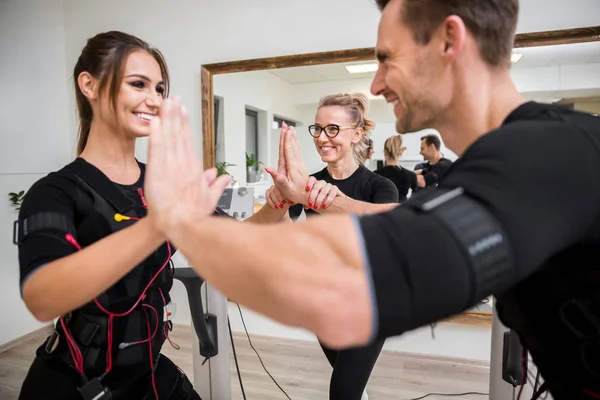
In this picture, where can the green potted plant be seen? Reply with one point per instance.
(222, 168)
(252, 164)
(16, 199)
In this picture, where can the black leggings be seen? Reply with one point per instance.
(49, 380)
(351, 370)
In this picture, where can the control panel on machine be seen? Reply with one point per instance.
(238, 202)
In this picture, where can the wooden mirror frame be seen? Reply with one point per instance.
(207, 71)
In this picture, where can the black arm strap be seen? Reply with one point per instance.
(43, 221)
(479, 234)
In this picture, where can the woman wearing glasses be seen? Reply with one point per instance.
(340, 134)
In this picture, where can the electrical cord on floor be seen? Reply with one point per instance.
(450, 394)
(237, 367)
(286, 395)
(260, 359)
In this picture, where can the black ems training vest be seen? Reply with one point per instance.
(89, 324)
(556, 310)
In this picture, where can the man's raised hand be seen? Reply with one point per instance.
(175, 185)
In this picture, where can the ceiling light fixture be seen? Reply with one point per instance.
(362, 68)
(515, 57)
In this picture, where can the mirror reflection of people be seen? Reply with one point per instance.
(530, 239)
(341, 137)
(403, 178)
(368, 153)
(435, 165)
(107, 282)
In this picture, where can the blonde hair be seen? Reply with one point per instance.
(356, 105)
(392, 147)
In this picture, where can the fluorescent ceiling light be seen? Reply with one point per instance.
(515, 57)
(362, 68)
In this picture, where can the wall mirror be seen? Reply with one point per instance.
(244, 103)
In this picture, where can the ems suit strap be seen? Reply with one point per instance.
(478, 233)
(43, 221)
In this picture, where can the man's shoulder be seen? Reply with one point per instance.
(548, 140)
(535, 119)
(545, 127)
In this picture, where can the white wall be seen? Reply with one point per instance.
(33, 111)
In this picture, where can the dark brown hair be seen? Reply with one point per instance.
(492, 22)
(432, 140)
(104, 58)
(356, 105)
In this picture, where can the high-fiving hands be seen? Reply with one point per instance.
(292, 182)
(175, 186)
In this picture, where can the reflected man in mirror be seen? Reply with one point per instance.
(435, 165)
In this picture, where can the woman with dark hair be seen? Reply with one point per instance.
(90, 256)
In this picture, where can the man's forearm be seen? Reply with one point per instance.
(347, 205)
(298, 275)
(268, 215)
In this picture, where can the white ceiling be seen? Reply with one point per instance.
(544, 56)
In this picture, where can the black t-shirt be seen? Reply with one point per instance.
(433, 173)
(58, 192)
(362, 185)
(403, 178)
(551, 216)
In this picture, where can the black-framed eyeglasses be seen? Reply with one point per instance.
(330, 130)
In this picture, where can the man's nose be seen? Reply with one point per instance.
(378, 84)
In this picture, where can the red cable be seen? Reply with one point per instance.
(141, 193)
(166, 331)
(150, 352)
(155, 328)
(143, 295)
(73, 349)
(77, 357)
(112, 315)
(72, 240)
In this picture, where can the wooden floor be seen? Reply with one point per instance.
(301, 370)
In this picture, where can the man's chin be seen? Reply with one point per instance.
(401, 127)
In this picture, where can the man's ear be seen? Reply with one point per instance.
(453, 34)
(88, 85)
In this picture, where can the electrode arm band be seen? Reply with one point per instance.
(434, 257)
(44, 221)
